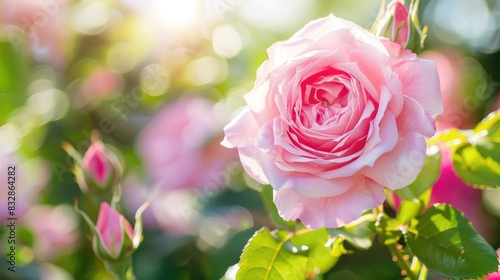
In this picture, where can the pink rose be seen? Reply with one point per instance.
(181, 147)
(336, 115)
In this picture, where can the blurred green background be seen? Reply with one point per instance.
(159, 79)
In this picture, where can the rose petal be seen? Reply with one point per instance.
(109, 227)
(332, 211)
(241, 133)
(400, 167)
(242, 130)
(261, 103)
(420, 82)
(415, 118)
(305, 184)
(248, 158)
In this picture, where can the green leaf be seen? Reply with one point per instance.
(265, 257)
(267, 197)
(388, 229)
(476, 165)
(409, 210)
(490, 125)
(489, 147)
(320, 257)
(426, 178)
(477, 161)
(447, 243)
(360, 236)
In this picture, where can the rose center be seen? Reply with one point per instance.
(324, 96)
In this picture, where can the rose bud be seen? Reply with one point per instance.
(101, 168)
(400, 25)
(98, 171)
(113, 236)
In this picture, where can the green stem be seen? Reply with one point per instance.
(402, 263)
(121, 270)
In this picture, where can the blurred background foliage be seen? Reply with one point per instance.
(159, 79)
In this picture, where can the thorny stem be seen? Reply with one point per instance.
(402, 263)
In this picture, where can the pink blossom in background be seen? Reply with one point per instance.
(176, 212)
(334, 114)
(55, 230)
(31, 178)
(101, 83)
(40, 26)
(134, 194)
(180, 147)
(452, 72)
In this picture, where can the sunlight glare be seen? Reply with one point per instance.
(175, 13)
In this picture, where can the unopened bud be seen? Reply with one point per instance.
(400, 25)
(99, 170)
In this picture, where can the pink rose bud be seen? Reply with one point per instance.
(97, 165)
(99, 170)
(400, 25)
(114, 240)
(115, 234)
